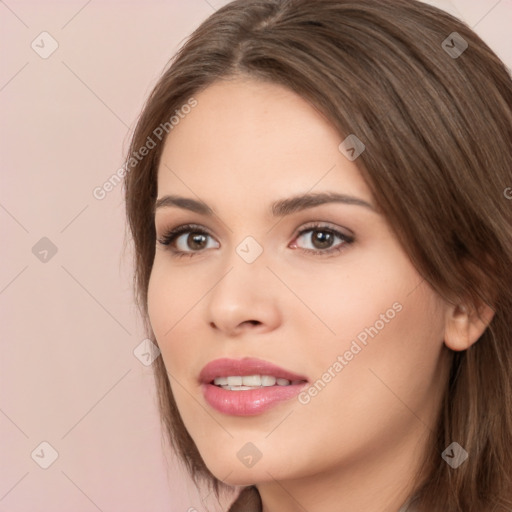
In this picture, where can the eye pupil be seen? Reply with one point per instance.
(324, 238)
(196, 238)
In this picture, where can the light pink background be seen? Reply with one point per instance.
(68, 374)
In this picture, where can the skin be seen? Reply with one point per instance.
(357, 443)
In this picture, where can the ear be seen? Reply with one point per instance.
(464, 325)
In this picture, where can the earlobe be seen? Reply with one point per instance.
(465, 325)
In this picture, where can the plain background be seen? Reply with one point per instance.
(68, 373)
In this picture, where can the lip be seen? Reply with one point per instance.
(247, 402)
(248, 366)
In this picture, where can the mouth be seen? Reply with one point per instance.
(247, 387)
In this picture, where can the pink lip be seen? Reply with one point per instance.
(247, 402)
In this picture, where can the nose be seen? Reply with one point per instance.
(245, 299)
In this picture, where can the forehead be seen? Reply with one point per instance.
(254, 138)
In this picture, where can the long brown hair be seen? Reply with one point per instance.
(433, 105)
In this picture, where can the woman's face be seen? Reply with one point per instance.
(321, 290)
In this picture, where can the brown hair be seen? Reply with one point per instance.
(437, 127)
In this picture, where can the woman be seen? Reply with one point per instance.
(317, 193)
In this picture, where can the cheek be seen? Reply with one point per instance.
(171, 301)
(388, 354)
(158, 302)
(384, 322)
(347, 297)
(370, 394)
(165, 306)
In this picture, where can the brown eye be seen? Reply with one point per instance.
(187, 239)
(322, 240)
(196, 241)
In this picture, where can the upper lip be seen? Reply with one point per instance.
(247, 366)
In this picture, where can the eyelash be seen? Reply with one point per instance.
(170, 236)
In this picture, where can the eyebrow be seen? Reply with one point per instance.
(280, 208)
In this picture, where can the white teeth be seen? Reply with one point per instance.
(251, 380)
(236, 383)
(267, 380)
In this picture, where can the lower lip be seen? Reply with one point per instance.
(249, 402)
